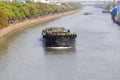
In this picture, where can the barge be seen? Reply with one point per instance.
(58, 37)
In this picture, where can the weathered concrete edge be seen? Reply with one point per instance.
(25, 24)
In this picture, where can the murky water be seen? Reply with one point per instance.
(95, 57)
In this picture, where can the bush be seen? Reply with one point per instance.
(3, 18)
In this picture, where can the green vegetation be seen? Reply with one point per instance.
(60, 31)
(11, 12)
(108, 5)
(3, 18)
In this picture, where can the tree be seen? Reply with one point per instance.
(3, 18)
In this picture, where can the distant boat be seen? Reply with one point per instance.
(105, 11)
(58, 37)
(88, 13)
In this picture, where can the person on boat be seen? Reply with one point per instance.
(114, 13)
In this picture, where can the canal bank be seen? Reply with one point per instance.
(28, 23)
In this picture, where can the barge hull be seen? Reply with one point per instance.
(59, 41)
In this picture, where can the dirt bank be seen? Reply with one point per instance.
(27, 23)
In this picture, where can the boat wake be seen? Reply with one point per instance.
(59, 47)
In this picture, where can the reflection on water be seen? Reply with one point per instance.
(3, 45)
(5, 41)
(59, 51)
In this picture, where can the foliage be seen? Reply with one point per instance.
(19, 10)
(108, 6)
(3, 18)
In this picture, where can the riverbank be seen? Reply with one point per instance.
(27, 23)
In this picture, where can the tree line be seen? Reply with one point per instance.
(15, 11)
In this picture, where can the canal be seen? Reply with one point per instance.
(96, 55)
